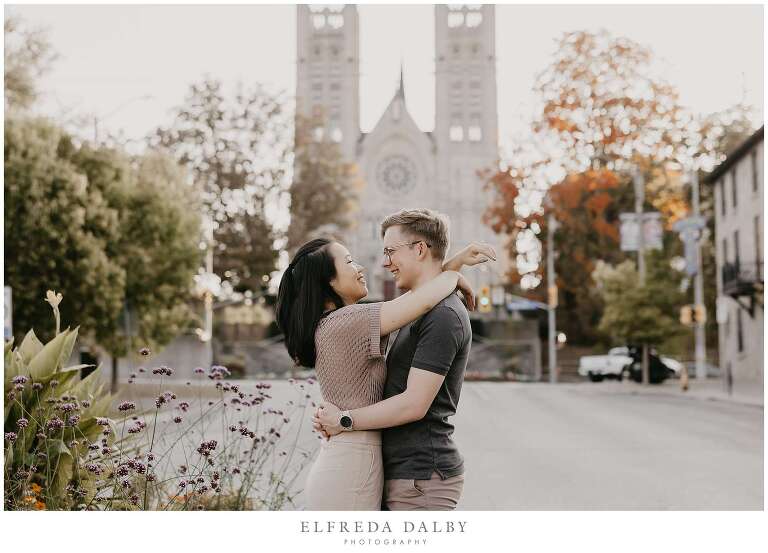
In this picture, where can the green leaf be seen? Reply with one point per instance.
(30, 346)
(75, 368)
(66, 348)
(46, 361)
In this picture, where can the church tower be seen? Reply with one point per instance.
(466, 118)
(328, 71)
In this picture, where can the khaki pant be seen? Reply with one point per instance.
(434, 494)
(348, 474)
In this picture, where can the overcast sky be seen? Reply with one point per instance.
(112, 54)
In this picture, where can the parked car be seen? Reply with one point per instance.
(613, 365)
(624, 360)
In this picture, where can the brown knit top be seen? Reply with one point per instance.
(350, 356)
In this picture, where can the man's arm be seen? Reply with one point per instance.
(408, 406)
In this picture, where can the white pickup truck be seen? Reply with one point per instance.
(598, 367)
(616, 363)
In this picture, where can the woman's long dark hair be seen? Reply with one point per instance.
(305, 290)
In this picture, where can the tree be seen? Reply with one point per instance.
(238, 153)
(104, 230)
(322, 193)
(28, 55)
(603, 115)
(58, 234)
(636, 314)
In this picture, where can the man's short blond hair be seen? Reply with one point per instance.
(428, 225)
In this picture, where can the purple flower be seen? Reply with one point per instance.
(199, 370)
(10, 437)
(144, 351)
(67, 407)
(126, 406)
(95, 468)
(166, 371)
(85, 403)
(184, 406)
(101, 421)
(54, 424)
(218, 372)
(20, 379)
(22, 423)
(73, 420)
(53, 383)
(37, 386)
(177, 419)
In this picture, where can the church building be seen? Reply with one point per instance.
(400, 165)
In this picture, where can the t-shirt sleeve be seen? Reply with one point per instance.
(440, 337)
(357, 328)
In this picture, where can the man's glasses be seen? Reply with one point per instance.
(389, 251)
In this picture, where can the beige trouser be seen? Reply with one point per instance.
(348, 474)
(434, 494)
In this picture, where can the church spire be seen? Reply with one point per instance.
(401, 89)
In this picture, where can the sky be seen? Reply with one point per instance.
(130, 65)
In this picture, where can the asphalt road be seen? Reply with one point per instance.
(606, 446)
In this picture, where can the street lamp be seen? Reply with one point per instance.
(207, 286)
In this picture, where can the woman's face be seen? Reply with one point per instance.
(349, 282)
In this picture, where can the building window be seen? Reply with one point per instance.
(725, 251)
(734, 188)
(736, 252)
(723, 194)
(474, 18)
(317, 87)
(335, 21)
(335, 86)
(455, 19)
(456, 133)
(475, 133)
(739, 330)
(318, 134)
(336, 135)
(754, 170)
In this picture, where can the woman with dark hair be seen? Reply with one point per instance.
(344, 341)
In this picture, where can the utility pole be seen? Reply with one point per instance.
(639, 183)
(698, 288)
(552, 296)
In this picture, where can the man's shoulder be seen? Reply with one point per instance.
(449, 309)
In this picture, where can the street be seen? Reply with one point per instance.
(587, 446)
(606, 446)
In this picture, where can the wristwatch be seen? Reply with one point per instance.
(345, 420)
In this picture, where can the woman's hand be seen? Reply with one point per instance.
(473, 254)
(465, 288)
(326, 419)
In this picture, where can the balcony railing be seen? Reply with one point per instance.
(742, 279)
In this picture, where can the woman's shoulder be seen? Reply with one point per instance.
(347, 313)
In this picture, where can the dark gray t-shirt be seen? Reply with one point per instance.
(438, 342)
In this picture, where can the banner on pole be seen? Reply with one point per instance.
(652, 231)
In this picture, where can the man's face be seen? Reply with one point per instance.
(406, 255)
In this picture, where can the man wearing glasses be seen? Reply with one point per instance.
(426, 361)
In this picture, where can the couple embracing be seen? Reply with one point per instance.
(390, 372)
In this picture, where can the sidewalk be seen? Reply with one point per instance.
(712, 389)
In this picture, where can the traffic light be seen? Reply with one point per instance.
(484, 300)
(686, 315)
(693, 314)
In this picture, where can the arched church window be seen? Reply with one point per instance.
(456, 133)
(474, 18)
(336, 21)
(318, 21)
(455, 19)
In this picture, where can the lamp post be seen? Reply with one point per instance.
(639, 183)
(552, 299)
(207, 285)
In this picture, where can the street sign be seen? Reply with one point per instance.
(8, 311)
(690, 231)
(652, 231)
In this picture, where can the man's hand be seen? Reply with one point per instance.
(473, 254)
(326, 419)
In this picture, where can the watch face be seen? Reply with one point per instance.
(396, 174)
(346, 421)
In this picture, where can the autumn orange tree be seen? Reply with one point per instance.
(604, 113)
